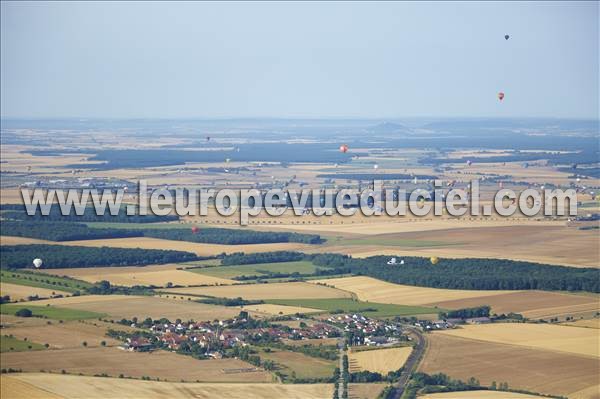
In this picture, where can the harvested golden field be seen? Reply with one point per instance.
(200, 249)
(295, 290)
(18, 292)
(69, 334)
(377, 225)
(379, 360)
(10, 240)
(536, 370)
(274, 310)
(374, 290)
(114, 361)
(586, 323)
(81, 387)
(365, 391)
(479, 395)
(157, 275)
(551, 244)
(128, 306)
(13, 388)
(532, 304)
(573, 340)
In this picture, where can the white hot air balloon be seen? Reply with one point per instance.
(375, 166)
(37, 262)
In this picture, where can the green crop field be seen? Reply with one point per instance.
(347, 305)
(11, 344)
(298, 364)
(51, 312)
(302, 267)
(42, 280)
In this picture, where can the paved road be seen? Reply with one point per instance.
(412, 362)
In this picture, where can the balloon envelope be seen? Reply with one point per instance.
(344, 148)
(434, 260)
(501, 96)
(195, 229)
(506, 37)
(37, 262)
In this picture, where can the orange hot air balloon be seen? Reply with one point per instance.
(195, 230)
(501, 96)
(344, 148)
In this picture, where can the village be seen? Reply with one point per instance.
(216, 339)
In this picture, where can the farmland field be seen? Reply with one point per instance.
(200, 249)
(69, 334)
(264, 291)
(370, 309)
(272, 309)
(536, 242)
(114, 361)
(42, 280)
(533, 304)
(373, 290)
(128, 306)
(157, 275)
(573, 340)
(259, 269)
(301, 365)
(51, 312)
(379, 360)
(56, 386)
(11, 344)
(479, 395)
(17, 292)
(535, 370)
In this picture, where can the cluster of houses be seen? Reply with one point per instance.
(428, 325)
(223, 334)
(367, 331)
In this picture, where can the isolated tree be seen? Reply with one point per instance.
(24, 313)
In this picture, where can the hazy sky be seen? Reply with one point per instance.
(402, 59)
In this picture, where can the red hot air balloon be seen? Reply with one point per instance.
(344, 148)
(195, 230)
(501, 96)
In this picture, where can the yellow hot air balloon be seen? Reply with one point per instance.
(434, 260)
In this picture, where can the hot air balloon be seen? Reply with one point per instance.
(37, 262)
(344, 148)
(207, 138)
(506, 37)
(375, 166)
(227, 160)
(501, 96)
(195, 230)
(434, 260)
(469, 162)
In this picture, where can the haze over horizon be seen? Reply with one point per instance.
(299, 60)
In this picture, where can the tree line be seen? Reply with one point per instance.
(469, 273)
(18, 212)
(59, 256)
(62, 231)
